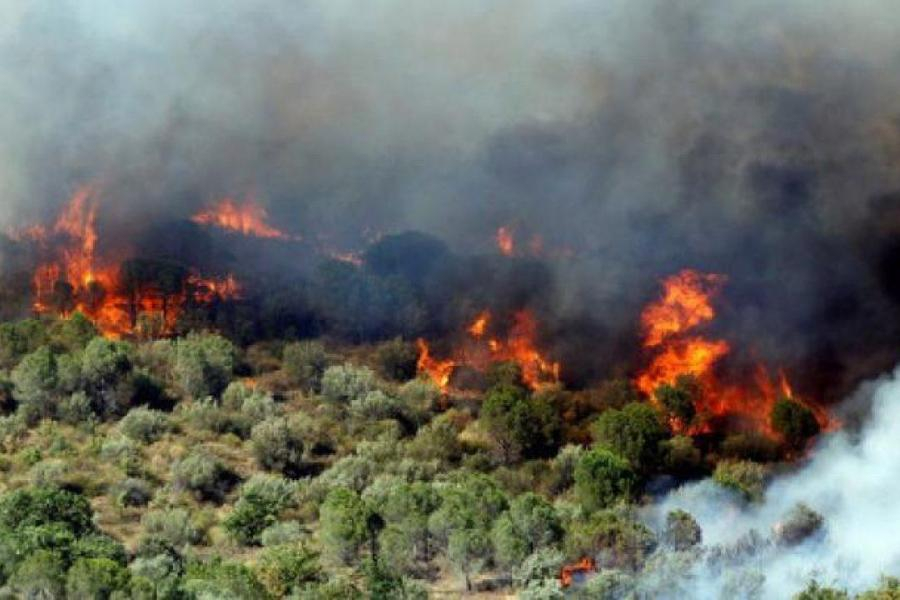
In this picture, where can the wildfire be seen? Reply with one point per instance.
(670, 326)
(478, 351)
(569, 573)
(72, 279)
(247, 218)
(506, 243)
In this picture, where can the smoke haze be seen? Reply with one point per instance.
(850, 480)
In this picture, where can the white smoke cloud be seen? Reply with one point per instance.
(851, 479)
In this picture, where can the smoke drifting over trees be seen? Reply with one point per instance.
(635, 138)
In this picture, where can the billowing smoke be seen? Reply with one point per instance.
(850, 480)
(756, 139)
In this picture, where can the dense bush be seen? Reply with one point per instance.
(345, 383)
(144, 425)
(203, 364)
(796, 423)
(278, 445)
(634, 433)
(602, 478)
(520, 425)
(263, 498)
(305, 364)
(745, 477)
(204, 475)
(397, 359)
(173, 526)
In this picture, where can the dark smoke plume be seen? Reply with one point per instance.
(758, 139)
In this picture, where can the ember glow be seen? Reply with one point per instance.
(676, 347)
(479, 348)
(247, 218)
(506, 243)
(71, 277)
(582, 569)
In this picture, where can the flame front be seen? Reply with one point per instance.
(72, 278)
(478, 351)
(670, 336)
(247, 218)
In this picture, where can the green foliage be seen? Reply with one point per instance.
(376, 405)
(798, 525)
(76, 410)
(282, 569)
(173, 526)
(263, 498)
(634, 433)
(543, 565)
(35, 381)
(144, 425)
(888, 589)
(603, 478)
(20, 338)
(279, 534)
(278, 445)
(96, 579)
(203, 364)
(344, 525)
(682, 531)
(814, 591)
(530, 524)
(750, 446)
(681, 458)
(343, 384)
(468, 501)
(520, 425)
(469, 551)
(614, 537)
(218, 580)
(105, 362)
(743, 476)
(397, 359)
(72, 334)
(679, 399)
(204, 475)
(305, 363)
(795, 422)
(40, 575)
(31, 507)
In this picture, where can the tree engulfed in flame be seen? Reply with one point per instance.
(478, 350)
(670, 336)
(247, 218)
(71, 278)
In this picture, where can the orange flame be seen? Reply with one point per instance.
(569, 572)
(506, 243)
(247, 218)
(94, 289)
(478, 352)
(670, 324)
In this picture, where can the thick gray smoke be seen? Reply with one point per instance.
(851, 480)
(759, 139)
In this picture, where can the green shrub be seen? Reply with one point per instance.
(173, 526)
(343, 525)
(207, 415)
(95, 579)
(263, 498)
(203, 364)
(279, 534)
(221, 580)
(282, 569)
(40, 575)
(35, 381)
(343, 384)
(305, 363)
(278, 445)
(682, 531)
(376, 405)
(132, 492)
(634, 433)
(39, 506)
(77, 409)
(743, 476)
(204, 475)
(603, 478)
(144, 425)
(795, 422)
(397, 360)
